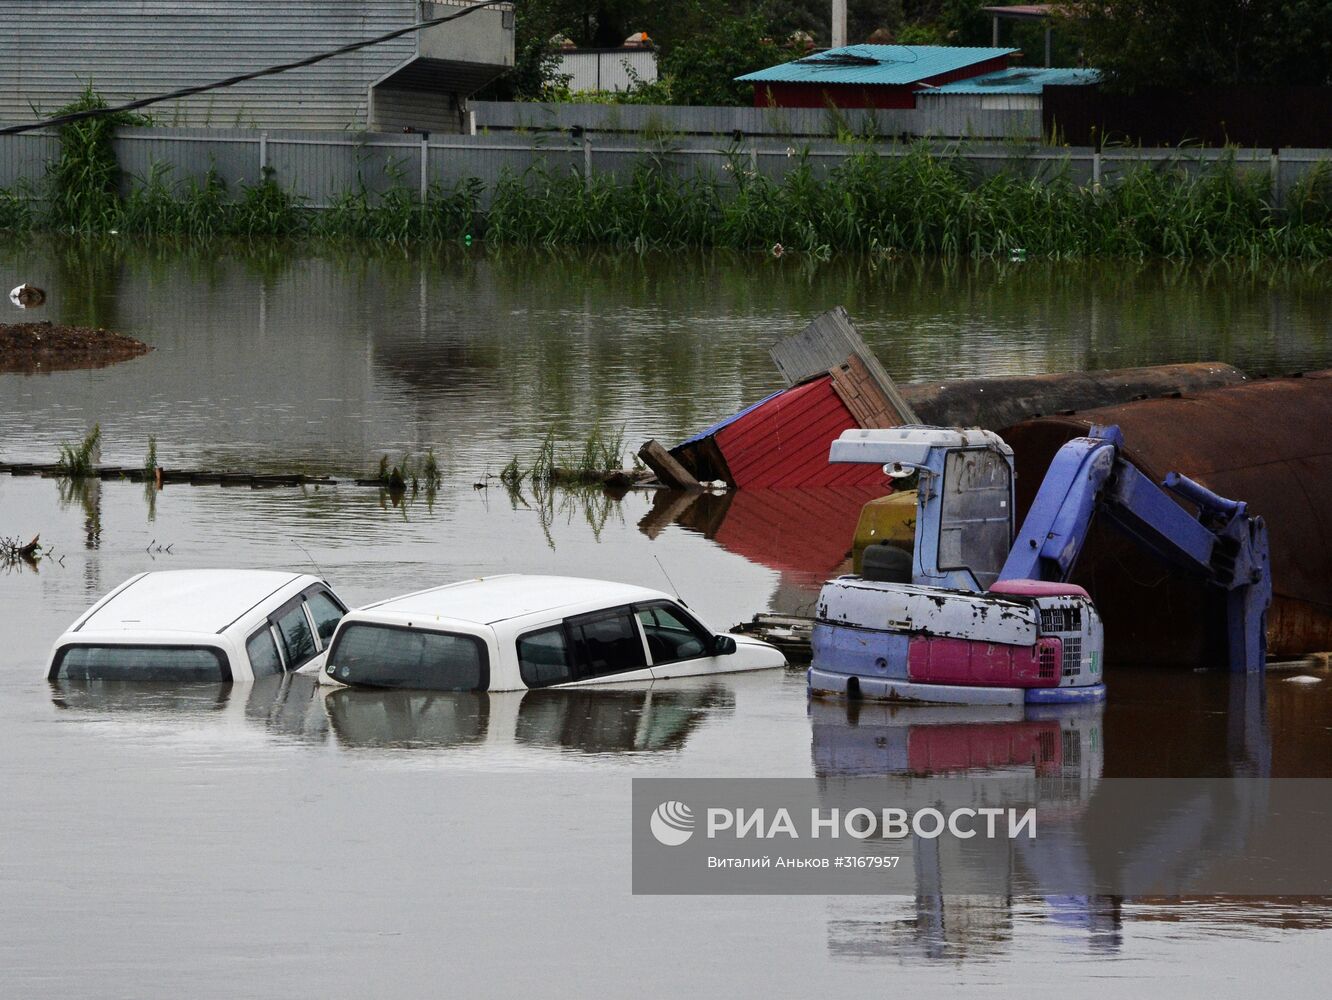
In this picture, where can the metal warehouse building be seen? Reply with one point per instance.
(129, 49)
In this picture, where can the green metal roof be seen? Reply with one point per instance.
(892, 65)
(1018, 81)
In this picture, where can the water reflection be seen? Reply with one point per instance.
(638, 719)
(401, 349)
(86, 493)
(147, 701)
(633, 719)
(627, 721)
(285, 705)
(1219, 726)
(1056, 752)
(805, 535)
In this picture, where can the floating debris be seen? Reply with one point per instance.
(27, 296)
(13, 550)
(1304, 679)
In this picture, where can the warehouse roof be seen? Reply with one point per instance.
(892, 65)
(1018, 81)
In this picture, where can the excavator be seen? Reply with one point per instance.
(952, 606)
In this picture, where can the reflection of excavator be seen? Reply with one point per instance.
(970, 615)
(1051, 754)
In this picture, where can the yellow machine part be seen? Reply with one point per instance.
(891, 520)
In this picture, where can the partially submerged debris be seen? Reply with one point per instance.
(47, 347)
(13, 550)
(835, 383)
(27, 296)
(789, 633)
(668, 470)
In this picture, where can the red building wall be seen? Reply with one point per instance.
(842, 95)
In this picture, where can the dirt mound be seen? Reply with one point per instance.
(46, 347)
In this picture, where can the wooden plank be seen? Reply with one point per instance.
(826, 344)
(668, 470)
(862, 395)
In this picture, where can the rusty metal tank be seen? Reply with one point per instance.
(1002, 401)
(1267, 442)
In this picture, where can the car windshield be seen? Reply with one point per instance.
(141, 663)
(390, 657)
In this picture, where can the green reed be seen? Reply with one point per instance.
(78, 461)
(919, 201)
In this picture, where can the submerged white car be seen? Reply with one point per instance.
(201, 625)
(508, 633)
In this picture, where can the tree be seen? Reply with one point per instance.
(702, 67)
(1190, 43)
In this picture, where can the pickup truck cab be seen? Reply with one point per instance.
(217, 625)
(509, 633)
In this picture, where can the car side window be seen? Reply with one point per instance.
(671, 634)
(543, 657)
(263, 653)
(297, 638)
(326, 613)
(606, 643)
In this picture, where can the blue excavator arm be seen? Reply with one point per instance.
(1222, 545)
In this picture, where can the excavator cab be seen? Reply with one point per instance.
(955, 528)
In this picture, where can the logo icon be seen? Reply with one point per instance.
(672, 823)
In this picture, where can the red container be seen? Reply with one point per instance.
(783, 442)
(935, 660)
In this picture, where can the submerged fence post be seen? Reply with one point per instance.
(263, 154)
(425, 166)
(1274, 167)
(587, 158)
(1096, 170)
(753, 161)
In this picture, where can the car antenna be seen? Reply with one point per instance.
(311, 558)
(674, 589)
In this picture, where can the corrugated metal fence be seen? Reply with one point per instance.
(319, 166)
(943, 119)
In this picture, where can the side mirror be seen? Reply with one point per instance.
(723, 645)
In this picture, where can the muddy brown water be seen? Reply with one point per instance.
(270, 840)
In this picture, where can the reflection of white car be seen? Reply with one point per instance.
(507, 633)
(200, 625)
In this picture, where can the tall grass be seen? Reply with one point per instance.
(78, 461)
(83, 182)
(924, 203)
(918, 201)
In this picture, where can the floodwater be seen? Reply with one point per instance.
(273, 840)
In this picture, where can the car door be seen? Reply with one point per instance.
(607, 647)
(296, 633)
(678, 643)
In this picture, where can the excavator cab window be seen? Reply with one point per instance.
(976, 513)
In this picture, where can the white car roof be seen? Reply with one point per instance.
(493, 599)
(192, 600)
